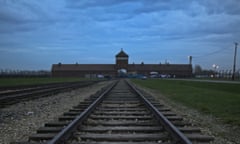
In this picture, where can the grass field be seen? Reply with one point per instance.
(35, 80)
(219, 99)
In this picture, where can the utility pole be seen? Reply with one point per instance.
(234, 61)
(190, 59)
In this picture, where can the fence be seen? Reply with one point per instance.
(221, 74)
(24, 73)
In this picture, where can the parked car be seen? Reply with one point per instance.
(144, 77)
(165, 76)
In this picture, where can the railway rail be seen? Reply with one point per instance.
(119, 114)
(11, 96)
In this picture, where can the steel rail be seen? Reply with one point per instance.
(40, 91)
(61, 137)
(34, 88)
(177, 134)
(54, 84)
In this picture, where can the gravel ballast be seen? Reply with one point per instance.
(19, 121)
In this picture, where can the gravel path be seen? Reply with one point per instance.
(19, 121)
(222, 133)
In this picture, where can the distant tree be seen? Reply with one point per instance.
(198, 69)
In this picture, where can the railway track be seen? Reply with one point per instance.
(13, 96)
(118, 114)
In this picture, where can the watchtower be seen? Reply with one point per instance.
(122, 60)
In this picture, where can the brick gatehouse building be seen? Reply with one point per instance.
(121, 65)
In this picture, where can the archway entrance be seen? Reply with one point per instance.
(122, 72)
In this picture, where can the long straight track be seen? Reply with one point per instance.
(119, 115)
(14, 96)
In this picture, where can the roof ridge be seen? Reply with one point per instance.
(122, 53)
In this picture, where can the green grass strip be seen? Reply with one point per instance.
(221, 100)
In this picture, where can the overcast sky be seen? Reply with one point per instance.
(34, 34)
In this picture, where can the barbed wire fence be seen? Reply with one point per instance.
(220, 74)
(227, 74)
(24, 73)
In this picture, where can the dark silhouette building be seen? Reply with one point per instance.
(120, 67)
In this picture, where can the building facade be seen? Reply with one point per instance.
(120, 68)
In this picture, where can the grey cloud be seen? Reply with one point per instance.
(112, 17)
(191, 7)
(16, 11)
(231, 7)
(12, 28)
(94, 3)
(103, 10)
(150, 6)
(6, 17)
(21, 16)
(8, 43)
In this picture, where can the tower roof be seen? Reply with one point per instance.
(121, 54)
